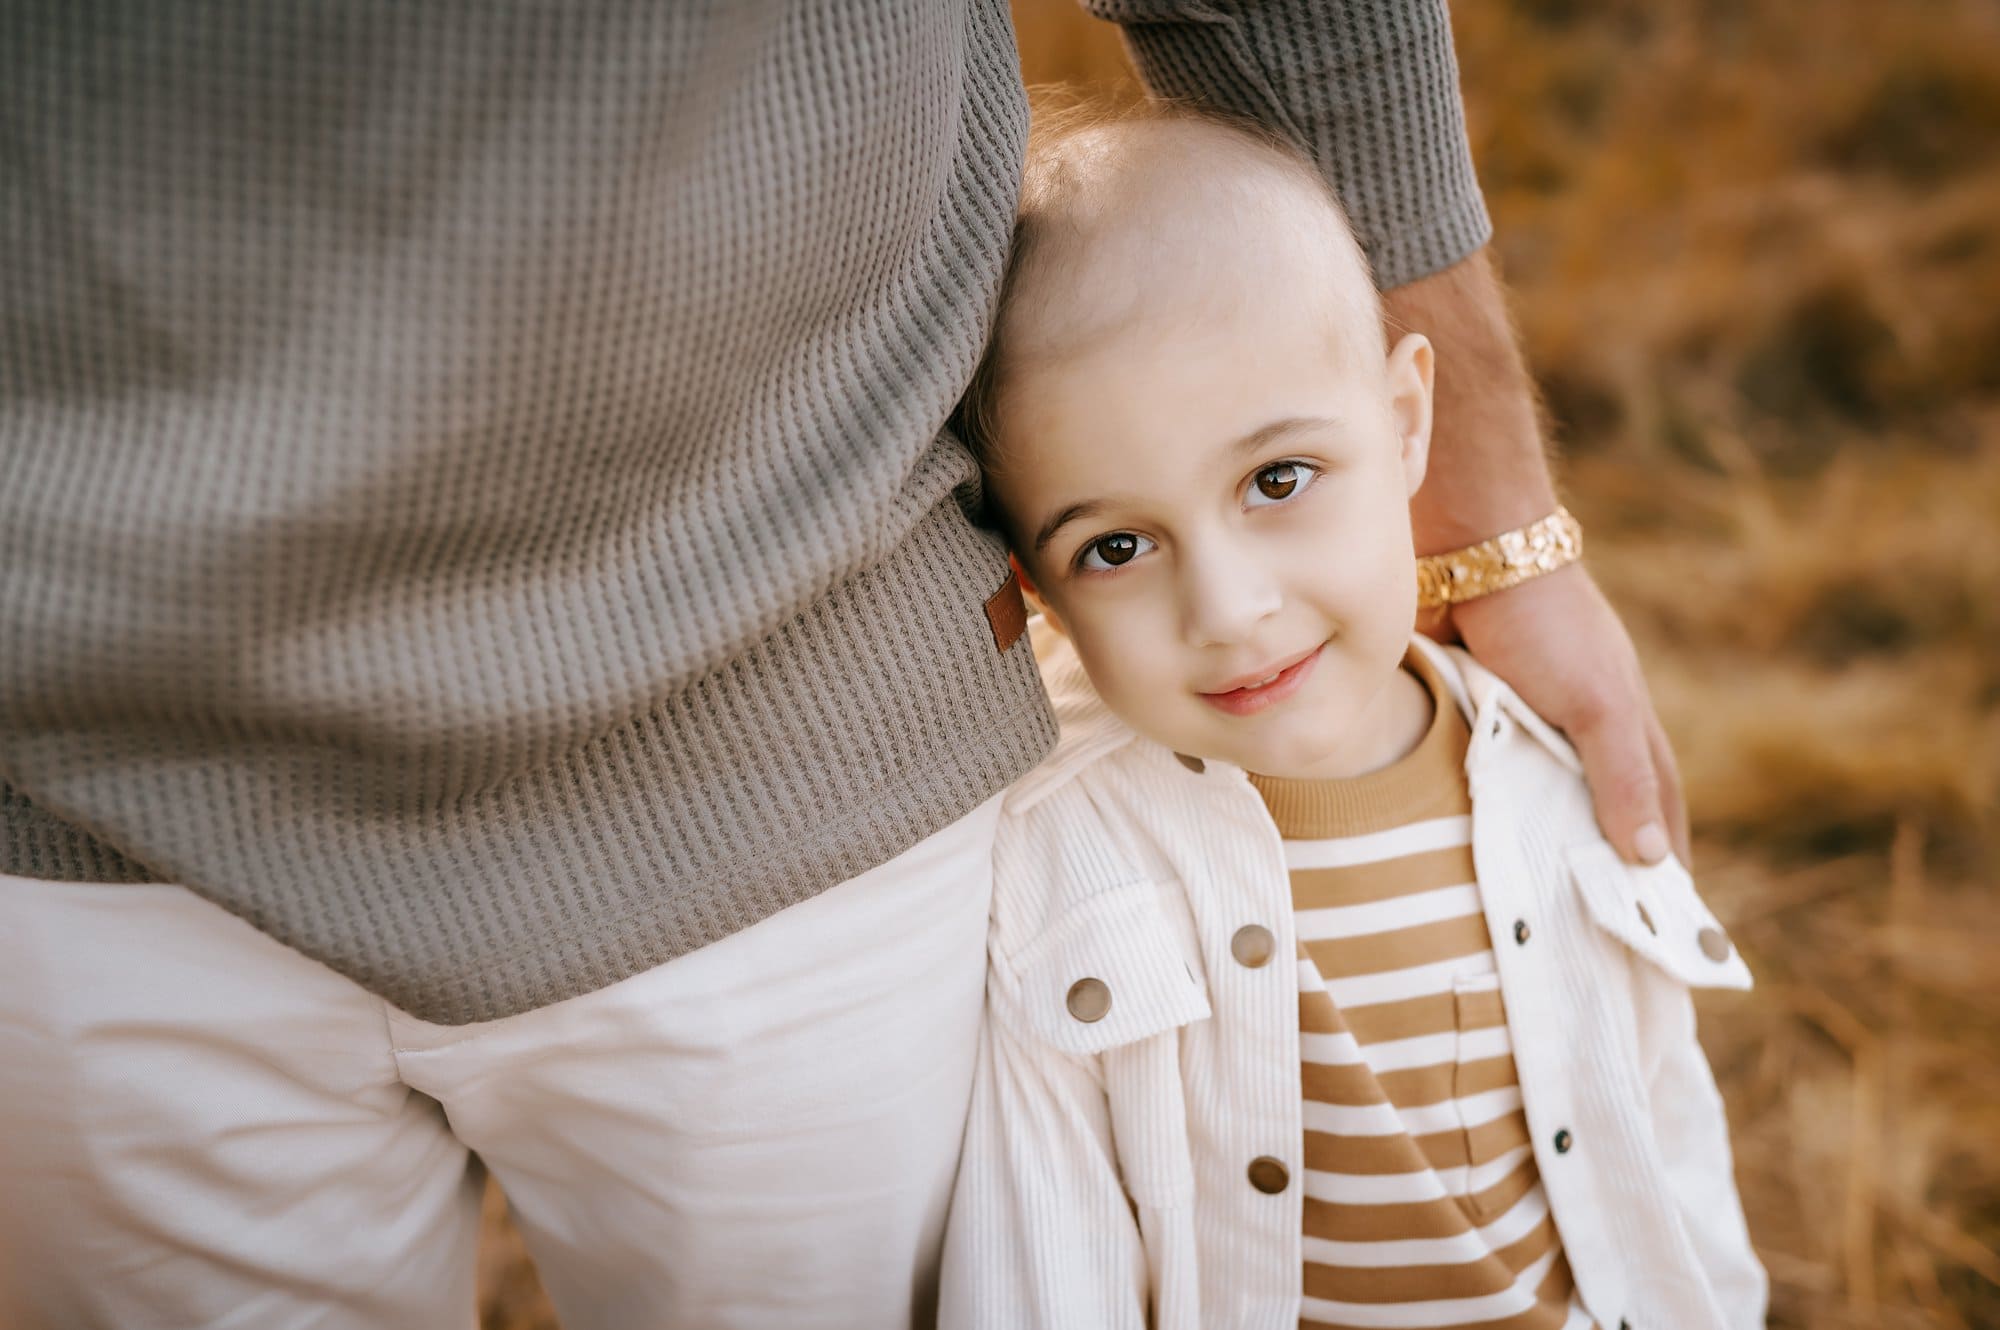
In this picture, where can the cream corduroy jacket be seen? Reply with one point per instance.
(1104, 1178)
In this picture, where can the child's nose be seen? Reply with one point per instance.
(1227, 594)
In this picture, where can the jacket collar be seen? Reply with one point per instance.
(1480, 694)
(1483, 695)
(1089, 732)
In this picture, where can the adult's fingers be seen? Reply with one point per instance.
(1557, 640)
(1673, 800)
(1624, 784)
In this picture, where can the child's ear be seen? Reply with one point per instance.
(1034, 596)
(1409, 379)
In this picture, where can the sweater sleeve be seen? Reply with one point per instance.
(1368, 87)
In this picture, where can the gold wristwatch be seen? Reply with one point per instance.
(1508, 559)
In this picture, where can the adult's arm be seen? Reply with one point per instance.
(1555, 639)
(1370, 90)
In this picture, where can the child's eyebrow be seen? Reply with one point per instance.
(1062, 518)
(1265, 435)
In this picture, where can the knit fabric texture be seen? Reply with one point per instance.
(475, 498)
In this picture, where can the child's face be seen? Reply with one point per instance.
(1214, 505)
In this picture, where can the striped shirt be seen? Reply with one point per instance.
(1423, 1206)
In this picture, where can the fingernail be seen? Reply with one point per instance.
(1651, 843)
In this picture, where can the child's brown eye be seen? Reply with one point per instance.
(1112, 551)
(1117, 549)
(1280, 481)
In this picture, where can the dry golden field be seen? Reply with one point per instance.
(1755, 249)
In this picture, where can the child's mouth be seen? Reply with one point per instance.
(1268, 691)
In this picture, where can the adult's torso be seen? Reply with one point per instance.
(471, 485)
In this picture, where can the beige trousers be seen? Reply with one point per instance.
(201, 1127)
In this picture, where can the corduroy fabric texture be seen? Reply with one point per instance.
(473, 491)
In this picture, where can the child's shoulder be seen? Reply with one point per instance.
(1534, 779)
(1070, 829)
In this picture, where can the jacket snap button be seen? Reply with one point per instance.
(1252, 946)
(1563, 1141)
(1269, 1175)
(1194, 764)
(1646, 918)
(1714, 944)
(1089, 999)
(1521, 931)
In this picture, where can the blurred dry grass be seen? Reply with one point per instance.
(1755, 249)
(1756, 253)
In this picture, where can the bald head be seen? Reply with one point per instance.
(1166, 219)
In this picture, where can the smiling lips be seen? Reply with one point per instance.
(1258, 692)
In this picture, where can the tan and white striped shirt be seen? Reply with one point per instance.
(1423, 1206)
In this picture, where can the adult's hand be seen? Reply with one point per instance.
(1559, 644)
(1554, 639)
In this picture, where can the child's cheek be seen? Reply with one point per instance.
(1116, 668)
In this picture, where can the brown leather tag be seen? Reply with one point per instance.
(1007, 612)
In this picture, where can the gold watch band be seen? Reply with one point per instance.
(1508, 559)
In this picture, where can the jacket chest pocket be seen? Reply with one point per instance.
(1655, 911)
(1110, 970)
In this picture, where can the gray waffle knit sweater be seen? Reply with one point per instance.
(474, 494)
